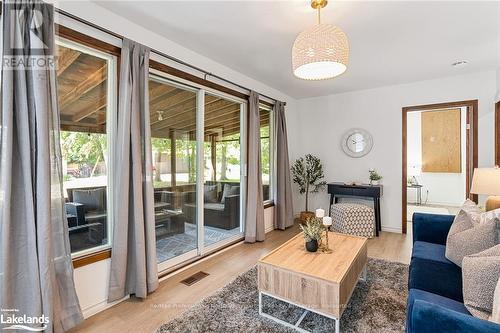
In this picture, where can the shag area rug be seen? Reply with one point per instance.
(377, 305)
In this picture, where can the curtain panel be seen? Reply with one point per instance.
(283, 206)
(36, 272)
(254, 229)
(133, 257)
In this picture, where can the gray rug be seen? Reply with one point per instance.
(377, 305)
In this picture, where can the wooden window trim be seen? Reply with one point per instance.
(86, 40)
(471, 150)
(91, 258)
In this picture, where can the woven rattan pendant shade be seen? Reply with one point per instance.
(320, 52)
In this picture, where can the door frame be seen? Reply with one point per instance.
(471, 147)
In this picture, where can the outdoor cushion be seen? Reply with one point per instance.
(92, 199)
(436, 277)
(229, 190)
(214, 206)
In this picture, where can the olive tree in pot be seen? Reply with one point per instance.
(307, 173)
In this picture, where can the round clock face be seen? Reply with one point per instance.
(357, 142)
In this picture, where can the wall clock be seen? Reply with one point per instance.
(357, 142)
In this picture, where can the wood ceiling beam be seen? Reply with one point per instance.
(84, 87)
(210, 100)
(66, 57)
(91, 109)
(161, 93)
(190, 122)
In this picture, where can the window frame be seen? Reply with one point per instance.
(73, 39)
(270, 202)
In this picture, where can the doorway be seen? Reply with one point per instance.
(439, 157)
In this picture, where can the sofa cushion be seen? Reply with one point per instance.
(480, 273)
(436, 277)
(465, 237)
(430, 251)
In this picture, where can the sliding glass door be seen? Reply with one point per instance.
(198, 159)
(223, 165)
(173, 111)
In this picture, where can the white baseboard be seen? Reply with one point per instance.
(96, 308)
(392, 229)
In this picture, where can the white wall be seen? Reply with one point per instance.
(91, 280)
(438, 188)
(320, 123)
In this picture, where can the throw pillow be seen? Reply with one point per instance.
(210, 193)
(465, 237)
(495, 315)
(480, 273)
(229, 190)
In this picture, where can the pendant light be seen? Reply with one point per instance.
(320, 52)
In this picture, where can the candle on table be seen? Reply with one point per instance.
(320, 212)
(327, 221)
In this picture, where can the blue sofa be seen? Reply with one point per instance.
(435, 299)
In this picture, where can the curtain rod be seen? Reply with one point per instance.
(179, 61)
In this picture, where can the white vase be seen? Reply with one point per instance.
(374, 182)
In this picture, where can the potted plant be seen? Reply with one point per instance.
(312, 232)
(307, 173)
(374, 177)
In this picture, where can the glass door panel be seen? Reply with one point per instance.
(222, 170)
(173, 139)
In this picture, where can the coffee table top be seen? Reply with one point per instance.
(331, 267)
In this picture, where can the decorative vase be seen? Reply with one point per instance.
(374, 182)
(312, 246)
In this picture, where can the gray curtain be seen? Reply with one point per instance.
(283, 206)
(133, 257)
(36, 272)
(254, 228)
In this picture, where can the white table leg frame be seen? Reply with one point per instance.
(296, 326)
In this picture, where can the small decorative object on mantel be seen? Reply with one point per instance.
(312, 231)
(374, 177)
(307, 173)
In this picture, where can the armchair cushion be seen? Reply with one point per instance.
(431, 228)
(436, 277)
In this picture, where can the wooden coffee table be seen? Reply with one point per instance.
(319, 282)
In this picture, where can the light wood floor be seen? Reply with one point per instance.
(172, 298)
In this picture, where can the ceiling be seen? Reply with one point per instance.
(83, 103)
(390, 42)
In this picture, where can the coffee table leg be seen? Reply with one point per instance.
(337, 325)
